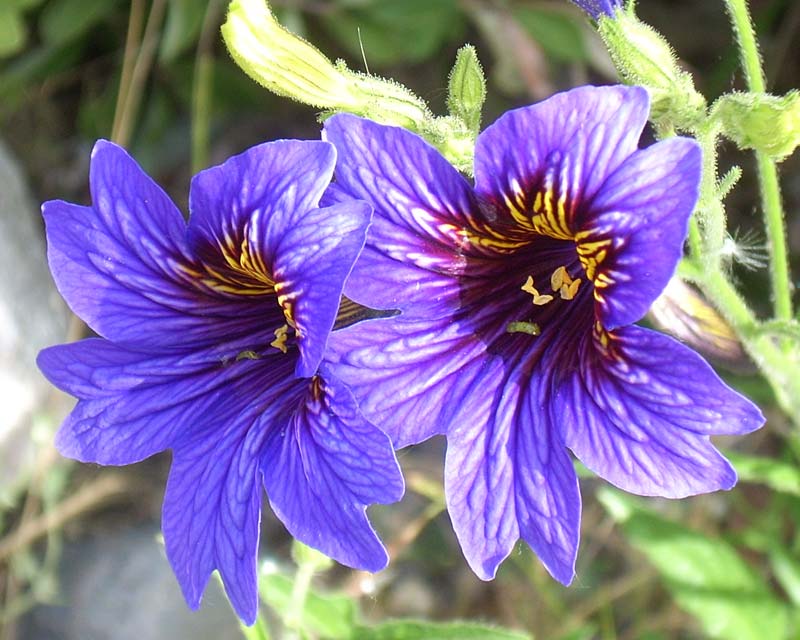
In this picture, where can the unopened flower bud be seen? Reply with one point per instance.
(770, 124)
(467, 88)
(643, 57)
(281, 61)
(289, 66)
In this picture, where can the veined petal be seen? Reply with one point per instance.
(645, 205)
(277, 180)
(132, 405)
(507, 476)
(312, 260)
(423, 223)
(639, 414)
(602, 123)
(121, 264)
(324, 468)
(408, 376)
(212, 511)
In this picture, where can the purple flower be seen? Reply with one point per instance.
(597, 8)
(212, 335)
(516, 299)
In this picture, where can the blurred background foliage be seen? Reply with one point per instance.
(154, 76)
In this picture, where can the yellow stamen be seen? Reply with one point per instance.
(569, 291)
(529, 288)
(281, 335)
(538, 298)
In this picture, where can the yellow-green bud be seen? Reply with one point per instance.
(281, 61)
(467, 88)
(289, 66)
(643, 57)
(766, 123)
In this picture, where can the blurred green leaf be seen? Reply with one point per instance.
(787, 572)
(36, 65)
(705, 575)
(422, 630)
(586, 632)
(21, 5)
(12, 31)
(393, 32)
(776, 474)
(556, 31)
(65, 20)
(329, 616)
(182, 27)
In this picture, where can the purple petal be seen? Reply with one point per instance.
(640, 415)
(645, 205)
(132, 405)
(312, 261)
(508, 476)
(594, 129)
(121, 264)
(324, 468)
(422, 223)
(212, 511)
(597, 8)
(408, 376)
(276, 180)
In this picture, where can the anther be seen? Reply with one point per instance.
(538, 298)
(281, 335)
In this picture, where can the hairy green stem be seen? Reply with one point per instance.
(767, 171)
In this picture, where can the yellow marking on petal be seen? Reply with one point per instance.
(281, 335)
(602, 281)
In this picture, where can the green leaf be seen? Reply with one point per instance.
(787, 572)
(12, 32)
(422, 630)
(556, 31)
(776, 474)
(65, 20)
(586, 632)
(705, 575)
(182, 27)
(394, 32)
(328, 616)
(21, 5)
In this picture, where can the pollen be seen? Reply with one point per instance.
(281, 335)
(569, 291)
(538, 298)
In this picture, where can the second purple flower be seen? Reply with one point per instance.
(515, 300)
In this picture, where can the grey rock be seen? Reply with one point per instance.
(119, 586)
(32, 316)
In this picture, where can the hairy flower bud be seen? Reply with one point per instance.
(643, 57)
(770, 124)
(289, 66)
(467, 88)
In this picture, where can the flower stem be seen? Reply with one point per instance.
(302, 583)
(767, 172)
